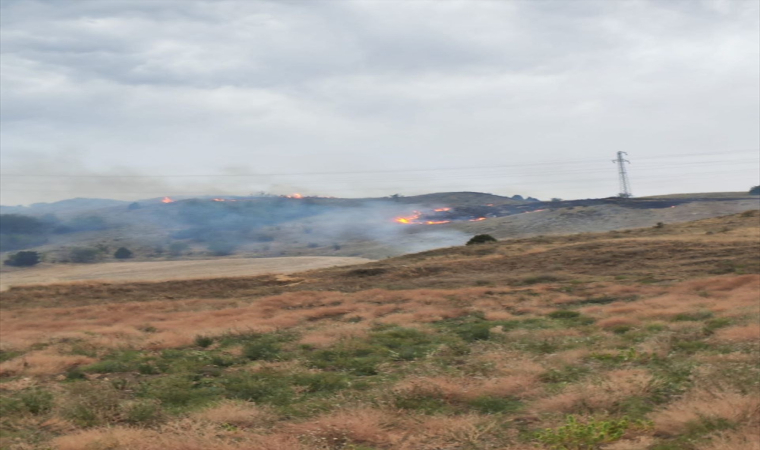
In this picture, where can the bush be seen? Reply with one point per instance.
(83, 254)
(481, 239)
(203, 341)
(755, 190)
(23, 259)
(123, 253)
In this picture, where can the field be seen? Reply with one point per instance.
(623, 340)
(165, 270)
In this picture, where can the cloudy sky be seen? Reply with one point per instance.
(141, 98)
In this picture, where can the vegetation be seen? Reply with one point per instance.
(406, 353)
(23, 259)
(755, 190)
(84, 254)
(481, 239)
(123, 253)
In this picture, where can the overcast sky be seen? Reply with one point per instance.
(371, 98)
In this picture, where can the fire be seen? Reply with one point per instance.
(436, 222)
(409, 219)
(223, 200)
(442, 209)
(167, 200)
(478, 219)
(296, 195)
(537, 210)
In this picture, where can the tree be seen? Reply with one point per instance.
(755, 190)
(19, 224)
(122, 253)
(23, 259)
(481, 239)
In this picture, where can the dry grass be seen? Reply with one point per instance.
(707, 404)
(672, 342)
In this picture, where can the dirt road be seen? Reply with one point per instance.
(169, 270)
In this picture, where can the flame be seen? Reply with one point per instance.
(296, 195)
(478, 219)
(442, 209)
(537, 210)
(409, 219)
(436, 222)
(167, 200)
(223, 200)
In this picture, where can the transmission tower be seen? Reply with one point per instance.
(625, 185)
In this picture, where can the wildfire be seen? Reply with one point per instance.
(442, 209)
(409, 219)
(296, 195)
(537, 210)
(167, 200)
(478, 219)
(223, 200)
(436, 222)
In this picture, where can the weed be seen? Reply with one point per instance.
(575, 435)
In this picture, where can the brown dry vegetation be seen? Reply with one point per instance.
(464, 348)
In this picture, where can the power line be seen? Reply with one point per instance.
(440, 169)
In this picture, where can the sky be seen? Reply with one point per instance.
(144, 98)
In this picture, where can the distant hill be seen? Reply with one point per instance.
(64, 206)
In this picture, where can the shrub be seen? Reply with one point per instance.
(481, 239)
(122, 253)
(262, 349)
(755, 190)
(203, 341)
(37, 401)
(83, 254)
(23, 259)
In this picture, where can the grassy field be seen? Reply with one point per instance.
(639, 339)
(165, 270)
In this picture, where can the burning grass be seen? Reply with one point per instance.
(386, 362)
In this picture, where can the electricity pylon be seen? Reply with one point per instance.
(625, 185)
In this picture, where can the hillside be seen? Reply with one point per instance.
(650, 335)
(318, 226)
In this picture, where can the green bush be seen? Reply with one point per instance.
(123, 253)
(203, 341)
(575, 435)
(23, 259)
(263, 349)
(37, 401)
(481, 239)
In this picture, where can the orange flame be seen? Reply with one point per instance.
(537, 210)
(478, 219)
(296, 195)
(436, 222)
(167, 200)
(442, 209)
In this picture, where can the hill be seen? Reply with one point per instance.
(637, 339)
(319, 226)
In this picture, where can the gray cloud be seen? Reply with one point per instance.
(199, 87)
